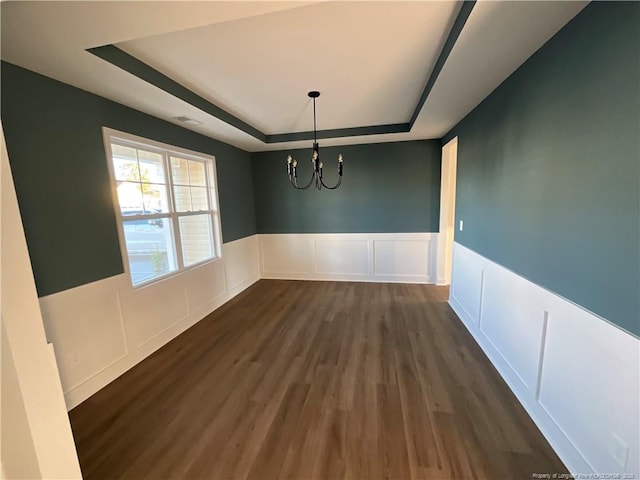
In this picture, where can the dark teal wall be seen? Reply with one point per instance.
(387, 187)
(54, 138)
(548, 166)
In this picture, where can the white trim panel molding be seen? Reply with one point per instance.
(102, 329)
(362, 257)
(576, 374)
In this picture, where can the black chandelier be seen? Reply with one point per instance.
(316, 174)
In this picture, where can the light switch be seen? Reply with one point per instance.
(461, 225)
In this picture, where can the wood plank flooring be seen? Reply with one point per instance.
(314, 380)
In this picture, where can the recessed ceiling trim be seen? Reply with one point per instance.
(339, 132)
(136, 67)
(131, 64)
(454, 33)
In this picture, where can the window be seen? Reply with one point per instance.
(166, 203)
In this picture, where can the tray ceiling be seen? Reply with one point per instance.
(369, 60)
(257, 60)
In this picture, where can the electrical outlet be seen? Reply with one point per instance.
(619, 451)
(461, 225)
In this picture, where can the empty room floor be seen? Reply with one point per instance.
(305, 380)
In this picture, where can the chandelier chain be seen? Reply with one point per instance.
(315, 140)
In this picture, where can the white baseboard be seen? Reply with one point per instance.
(361, 257)
(576, 375)
(102, 329)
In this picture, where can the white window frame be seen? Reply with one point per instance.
(110, 135)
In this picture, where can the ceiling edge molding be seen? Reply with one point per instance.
(339, 132)
(454, 33)
(131, 64)
(121, 59)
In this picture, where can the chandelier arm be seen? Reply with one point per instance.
(337, 185)
(294, 183)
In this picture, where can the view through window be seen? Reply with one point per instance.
(167, 204)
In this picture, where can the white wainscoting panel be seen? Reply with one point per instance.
(102, 329)
(366, 257)
(576, 374)
(589, 357)
(152, 309)
(285, 255)
(342, 257)
(90, 311)
(244, 265)
(513, 327)
(208, 282)
(402, 258)
(467, 293)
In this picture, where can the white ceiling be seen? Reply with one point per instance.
(369, 60)
(257, 60)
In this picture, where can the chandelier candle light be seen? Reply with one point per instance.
(316, 174)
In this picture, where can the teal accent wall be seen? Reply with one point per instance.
(54, 139)
(387, 187)
(548, 166)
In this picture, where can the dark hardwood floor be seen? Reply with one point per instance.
(304, 380)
